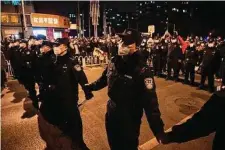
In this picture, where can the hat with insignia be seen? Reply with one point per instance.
(131, 36)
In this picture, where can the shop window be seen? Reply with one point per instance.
(39, 31)
(57, 34)
(5, 18)
(14, 19)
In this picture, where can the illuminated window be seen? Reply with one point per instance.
(118, 24)
(140, 12)
(113, 17)
(14, 19)
(140, 4)
(184, 11)
(5, 18)
(123, 20)
(118, 14)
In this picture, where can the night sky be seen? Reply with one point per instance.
(210, 14)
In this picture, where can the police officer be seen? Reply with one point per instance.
(209, 65)
(59, 120)
(163, 60)
(15, 59)
(211, 118)
(156, 55)
(173, 59)
(191, 57)
(131, 88)
(28, 71)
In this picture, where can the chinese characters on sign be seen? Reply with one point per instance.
(46, 20)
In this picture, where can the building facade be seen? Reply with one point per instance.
(12, 23)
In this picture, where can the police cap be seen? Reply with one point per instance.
(131, 36)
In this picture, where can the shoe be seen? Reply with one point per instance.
(186, 82)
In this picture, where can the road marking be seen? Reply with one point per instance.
(153, 142)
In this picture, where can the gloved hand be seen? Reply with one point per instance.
(162, 138)
(87, 87)
(88, 91)
(89, 95)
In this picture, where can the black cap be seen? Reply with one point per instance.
(47, 43)
(23, 41)
(64, 41)
(131, 36)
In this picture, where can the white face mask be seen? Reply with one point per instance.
(22, 45)
(166, 41)
(57, 50)
(16, 44)
(192, 44)
(156, 41)
(123, 50)
(173, 41)
(11, 45)
(210, 45)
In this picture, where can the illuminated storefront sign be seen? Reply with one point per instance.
(46, 20)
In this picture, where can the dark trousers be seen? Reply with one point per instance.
(163, 64)
(3, 78)
(156, 65)
(189, 72)
(173, 64)
(207, 72)
(122, 132)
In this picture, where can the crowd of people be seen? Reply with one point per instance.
(129, 77)
(205, 57)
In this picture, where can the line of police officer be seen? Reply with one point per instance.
(57, 73)
(172, 52)
(131, 89)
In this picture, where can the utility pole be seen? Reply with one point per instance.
(78, 19)
(83, 23)
(24, 20)
(89, 20)
(104, 21)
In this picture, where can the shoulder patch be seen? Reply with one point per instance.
(77, 67)
(149, 83)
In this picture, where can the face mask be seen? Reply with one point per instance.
(41, 50)
(16, 44)
(166, 41)
(123, 50)
(210, 45)
(156, 41)
(191, 45)
(11, 45)
(22, 45)
(173, 41)
(57, 50)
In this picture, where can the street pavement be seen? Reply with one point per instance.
(176, 101)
